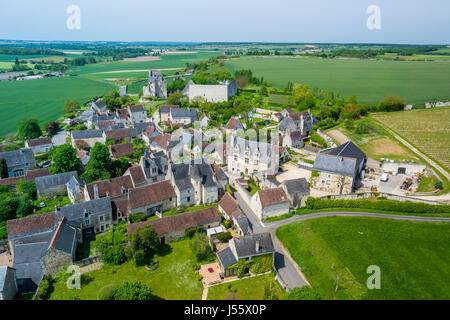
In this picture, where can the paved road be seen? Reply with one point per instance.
(59, 138)
(287, 268)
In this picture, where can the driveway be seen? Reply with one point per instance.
(59, 139)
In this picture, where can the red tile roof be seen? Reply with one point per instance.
(10, 181)
(232, 123)
(110, 187)
(179, 222)
(31, 223)
(30, 175)
(38, 142)
(161, 140)
(269, 197)
(139, 107)
(122, 113)
(118, 133)
(228, 203)
(121, 205)
(137, 174)
(143, 196)
(120, 150)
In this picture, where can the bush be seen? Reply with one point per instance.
(140, 258)
(137, 217)
(107, 292)
(134, 290)
(227, 224)
(114, 255)
(45, 289)
(303, 293)
(190, 232)
(439, 185)
(225, 236)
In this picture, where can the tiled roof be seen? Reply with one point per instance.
(135, 108)
(122, 113)
(233, 123)
(137, 174)
(142, 196)
(161, 140)
(120, 150)
(121, 205)
(269, 197)
(118, 133)
(38, 142)
(228, 203)
(110, 187)
(30, 175)
(179, 222)
(31, 223)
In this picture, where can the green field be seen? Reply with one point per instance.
(369, 80)
(44, 98)
(413, 256)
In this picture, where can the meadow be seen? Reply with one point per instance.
(44, 98)
(426, 129)
(369, 80)
(413, 256)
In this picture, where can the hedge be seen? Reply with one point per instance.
(377, 204)
(107, 292)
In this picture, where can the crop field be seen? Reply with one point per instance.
(369, 80)
(427, 129)
(413, 257)
(43, 98)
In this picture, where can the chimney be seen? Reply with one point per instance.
(96, 192)
(257, 246)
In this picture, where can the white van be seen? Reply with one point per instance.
(384, 177)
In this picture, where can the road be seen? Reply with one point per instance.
(287, 268)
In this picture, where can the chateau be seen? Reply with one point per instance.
(210, 92)
(157, 85)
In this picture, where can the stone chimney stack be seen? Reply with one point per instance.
(96, 192)
(257, 246)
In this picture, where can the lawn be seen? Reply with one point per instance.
(413, 256)
(427, 129)
(246, 289)
(369, 80)
(173, 280)
(44, 98)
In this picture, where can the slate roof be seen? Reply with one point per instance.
(43, 183)
(246, 246)
(179, 222)
(87, 134)
(297, 185)
(31, 223)
(99, 104)
(184, 172)
(64, 237)
(243, 224)
(184, 113)
(3, 273)
(142, 196)
(333, 164)
(120, 150)
(269, 197)
(226, 257)
(19, 157)
(38, 142)
(349, 150)
(286, 123)
(166, 109)
(76, 211)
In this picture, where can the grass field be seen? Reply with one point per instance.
(246, 289)
(413, 256)
(426, 129)
(369, 80)
(173, 280)
(43, 98)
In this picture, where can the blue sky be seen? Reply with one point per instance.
(341, 21)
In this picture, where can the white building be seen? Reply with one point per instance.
(210, 92)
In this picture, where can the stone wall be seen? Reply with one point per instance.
(369, 195)
(10, 286)
(54, 260)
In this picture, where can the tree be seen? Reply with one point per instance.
(392, 103)
(99, 166)
(25, 206)
(200, 246)
(71, 105)
(3, 169)
(119, 166)
(114, 255)
(439, 185)
(52, 128)
(28, 188)
(175, 98)
(145, 239)
(64, 159)
(29, 129)
(134, 290)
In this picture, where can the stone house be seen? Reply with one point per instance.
(121, 150)
(174, 227)
(52, 185)
(8, 285)
(89, 137)
(184, 117)
(155, 166)
(120, 135)
(210, 92)
(298, 191)
(137, 114)
(270, 203)
(284, 155)
(113, 188)
(245, 248)
(157, 85)
(165, 112)
(230, 209)
(294, 139)
(19, 162)
(137, 175)
(233, 125)
(39, 146)
(75, 189)
(152, 199)
(99, 106)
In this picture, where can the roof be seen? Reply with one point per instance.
(161, 140)
(87, 134)
(43, 183)
(121, 205)
(137, 174)
(269, 197)
(77, 211)
(296, 135)
(349, 150)
(246, 246)
(254, 147)
(31, 223)
(64, 237)
(333, 164)
(99, 104)
(31, 175)
(137, 108)
(120, 150)
(243, 224)
(38, 142)
(183, 113)
(179, 222)
(166, 109)
(142, 196)
(122, 113)
(297, 185)
(233, 123)
(111, 187)
(10, 181)
(226, 257)
(3, 274)
(118, 133)
(18, 157)
(228, 203)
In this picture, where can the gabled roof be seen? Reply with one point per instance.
(228, 204)
(184, 113)
(297, 185)
(234, 123)
(111, 187)
(137, 174)
(166, 109)
(179, 222)
(31, 223)
(31, 175)
(226, 258)
(64, 237)
(349, 150)
(120, 150)
(122, 113)
(87, 134)
(46, 182)
(118, 133)
(269, 197)
(121, 205)
(137, 108)
(77, 211)
(161, 140)
(142, 196)
(247, 245)
(334, 164)
(296, 135)
(18, 157)
(243, 224)
(38, 142)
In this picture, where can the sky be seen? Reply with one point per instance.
(312, 21)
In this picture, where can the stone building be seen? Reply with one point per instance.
(88, 137)
(270, 203)
(19, 161)
(52, 185)
(39, 146)
(298, 191)
(210, 92)
(157, 85)
(152, 199)
(8, 285)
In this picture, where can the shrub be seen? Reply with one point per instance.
(190, 232)
(225, 236)
(439, 185)
(107, 292)
(114, 255)
(139, 258)
(303, 293)
(137, 217)
(227, 224)
(45, 289)
(134, 290)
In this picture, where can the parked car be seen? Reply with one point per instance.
(384, 177)
(42, 204)
(46, 164)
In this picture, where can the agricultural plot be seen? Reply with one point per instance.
(427, 129)
(369, 80)
(413, 257)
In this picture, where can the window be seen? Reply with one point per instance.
(153, 170)
(155, 179)
(188, 199)
(101, 218)
(87, 222)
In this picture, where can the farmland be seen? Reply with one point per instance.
(43, 98)
(412, 256)
(427, 129)
(369, 80)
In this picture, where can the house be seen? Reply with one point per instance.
(52, 185)
(298, 190)
(233, 125)
(270, 203)
(120, 135)
(286, 126)
(8, 285)
(153, 198)
(277, 117)
(155, 166)
(184, 117)
(165, 112)
(164, 142)
(145, 127)
(96, 118)
(294, 139)
(284, 155)
(121, 150)
(221, 178)
(39, 146)
(120, 208)
(86, 137)
(174, 227)
(137, 114)
(303, 121)
(98, 106)
(194, 183)
(338, 170)
(113, 188)
(157, 85)
(94, 215)
(30, 176)
(231, 210)
(137, 175)
(19, 161)
(105, 125)
(121, 116)
(245, 248)
(210, 92)
(251, 157)
(75, 189)
(204, 120)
